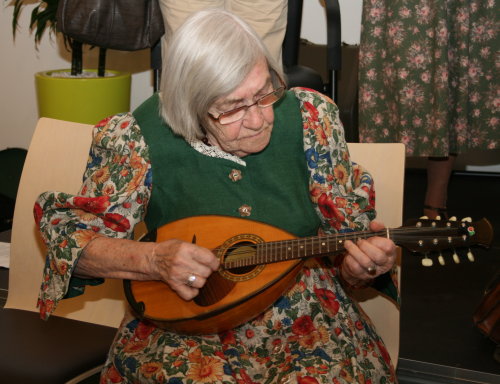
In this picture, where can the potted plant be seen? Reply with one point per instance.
(75, 94)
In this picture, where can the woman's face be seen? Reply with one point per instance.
(252, 133)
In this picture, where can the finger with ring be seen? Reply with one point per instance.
(190, 280)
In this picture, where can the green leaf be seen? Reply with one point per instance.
(15, 16)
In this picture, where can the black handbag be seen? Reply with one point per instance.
(126, 25)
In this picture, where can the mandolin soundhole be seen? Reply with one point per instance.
(240, 250)
(239, 258)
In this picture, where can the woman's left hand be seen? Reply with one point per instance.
(367, 259)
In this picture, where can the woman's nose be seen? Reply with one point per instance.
(253, 118)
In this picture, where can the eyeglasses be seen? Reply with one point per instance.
(239, 113)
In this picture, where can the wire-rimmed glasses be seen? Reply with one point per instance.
(239, 113)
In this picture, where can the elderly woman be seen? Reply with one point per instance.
(224, 138)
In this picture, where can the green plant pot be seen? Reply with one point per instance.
(82, 100)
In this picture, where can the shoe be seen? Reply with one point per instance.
(442, 212)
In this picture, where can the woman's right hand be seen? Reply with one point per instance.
(172, 261)
(175, 261)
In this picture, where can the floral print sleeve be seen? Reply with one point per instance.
(112, 200)
(342, 191)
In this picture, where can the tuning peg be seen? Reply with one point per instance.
(467, 219)
(441, 259)
(456, 259)
(470, 256)
(438, 218)
(424, 217)
(453, 218)
(426, 262)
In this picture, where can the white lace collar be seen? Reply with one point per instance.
(216, 152)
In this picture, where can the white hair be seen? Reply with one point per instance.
(207, 58)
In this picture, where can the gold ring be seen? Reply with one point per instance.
(371, 270)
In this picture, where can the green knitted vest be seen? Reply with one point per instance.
(274, 182)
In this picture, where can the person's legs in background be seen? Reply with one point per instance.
(176, 11)
(267, 17)
(438, 176)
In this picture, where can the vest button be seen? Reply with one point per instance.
(245, 210)
(235, 175)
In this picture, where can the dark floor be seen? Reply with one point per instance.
(439, 343)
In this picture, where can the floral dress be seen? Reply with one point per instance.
(429, 75)
(313, 334)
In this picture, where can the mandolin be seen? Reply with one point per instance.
(258, 262)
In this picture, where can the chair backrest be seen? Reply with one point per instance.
(305, 76)
(386, 163)
(56, 160)
(291, 41)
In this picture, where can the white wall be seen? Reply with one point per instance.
(314, 21)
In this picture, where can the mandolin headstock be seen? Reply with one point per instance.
(428, 236)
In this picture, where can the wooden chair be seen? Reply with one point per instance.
(386, 163)
(73, 343)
